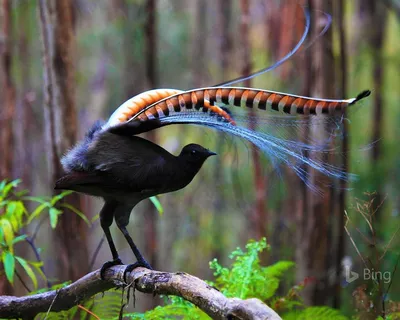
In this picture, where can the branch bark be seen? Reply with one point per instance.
(189, 287)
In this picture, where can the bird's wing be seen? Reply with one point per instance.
(138, 163)
(75, 178)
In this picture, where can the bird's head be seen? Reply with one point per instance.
(195, 154)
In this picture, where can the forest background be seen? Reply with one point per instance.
(117, 49)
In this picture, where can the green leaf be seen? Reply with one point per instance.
(38, 265)
(14, 222)
(36, 199)
(53, 287)
(28, 271)
(11, 206)
(9, 265)
(157, 204)
(96, 217)
(14, 213)
(3, 184)
(3, 203)
(54, 213)
(21, 193)
(21, 208)
(78, 212)
(8, 233)
(9, 186)
(38, 211)
(58, 197)
(19, 238)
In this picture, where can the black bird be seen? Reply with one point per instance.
(112, 163)
(125, 170)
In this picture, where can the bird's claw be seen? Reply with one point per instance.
(135, 265)
(109, 264)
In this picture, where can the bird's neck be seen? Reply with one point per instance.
(186, 171)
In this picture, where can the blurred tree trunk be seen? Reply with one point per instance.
(56, 19)
(225, 47)
(314, 234)
(7, 92)
(375, 14)
(151, 214)
(259, 216)
(378, 14)
(339, 15)
(303, 214)
(199, 44)
(286, 36)
(7, 108)
(25, 130)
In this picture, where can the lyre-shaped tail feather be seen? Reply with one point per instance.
(216, 107)
(161, 103)
(174, 99)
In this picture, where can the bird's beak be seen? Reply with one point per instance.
(211, 153)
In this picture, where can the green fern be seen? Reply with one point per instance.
(62, 315)
(247, 278)
(392, 316)
(176, 308)
(106, 305)
(311, 313)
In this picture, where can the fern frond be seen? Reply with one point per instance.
(107, 305)
(312, 313)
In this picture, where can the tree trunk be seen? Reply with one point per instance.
(378, 15)
(259, 217)
(7, 108)
(56, 19)
(151, 215)
(341, 236)
(7, 92)
(225, 48)
(314, 235)
(199, 44)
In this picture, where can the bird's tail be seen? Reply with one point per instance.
(275, 122)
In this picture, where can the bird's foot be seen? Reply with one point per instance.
(107, 265)
(135, 265)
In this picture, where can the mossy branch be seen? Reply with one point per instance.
(189, 287)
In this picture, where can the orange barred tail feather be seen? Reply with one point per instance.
(139, 102)
(163, 101)
(159, 103)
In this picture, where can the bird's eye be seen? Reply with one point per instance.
(193, 151)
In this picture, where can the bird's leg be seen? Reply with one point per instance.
(122, 220)
(106, 219)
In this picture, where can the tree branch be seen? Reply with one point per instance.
(191, 288)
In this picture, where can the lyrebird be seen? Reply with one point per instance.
(111, 162)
